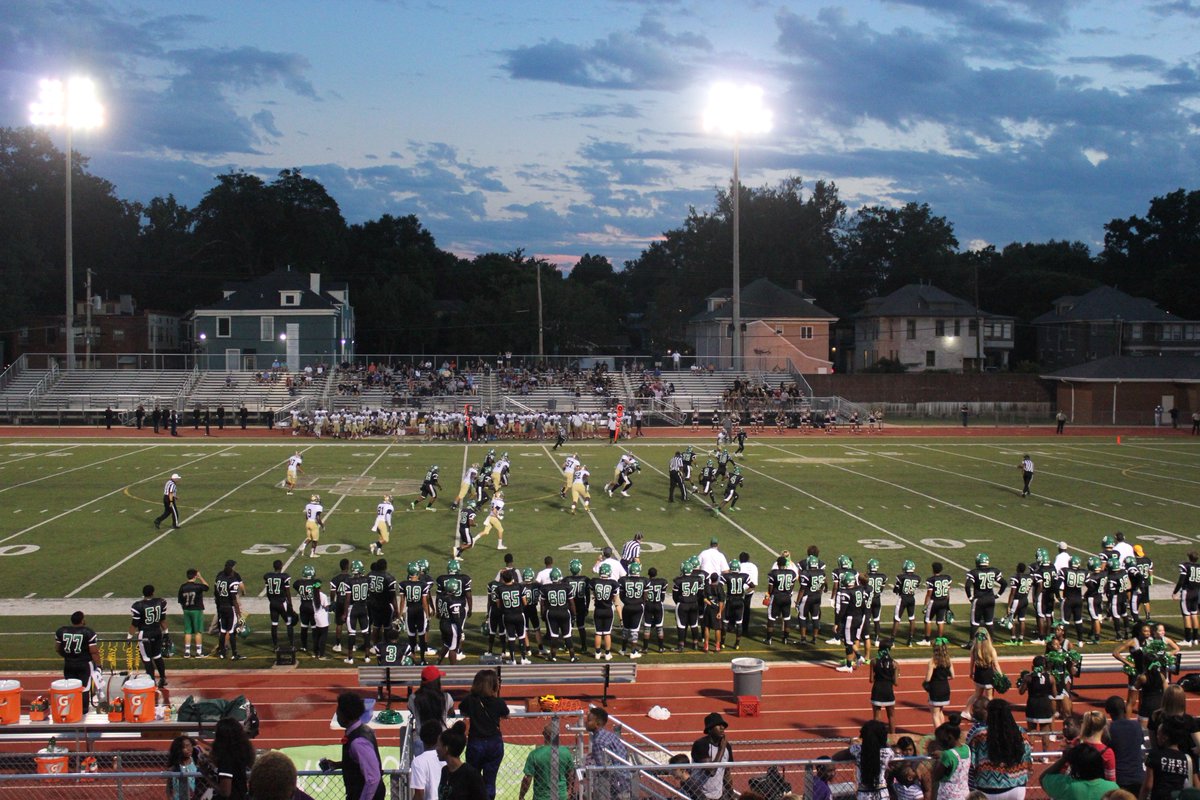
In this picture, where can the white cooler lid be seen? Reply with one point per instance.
(65, 685)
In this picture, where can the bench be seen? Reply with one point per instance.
(385, 677)
(1185, 660)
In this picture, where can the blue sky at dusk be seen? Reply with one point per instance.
(572, 127)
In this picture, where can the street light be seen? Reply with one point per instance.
(732, 111)
(204, 346)
(74, 106)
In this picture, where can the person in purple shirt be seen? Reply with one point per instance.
(362, 769)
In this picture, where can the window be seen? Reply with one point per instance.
(1191, 332)
(912, 328)
(931, 358)
(973, 328)
(1135, 332)
(118, 335)
(939, 327)
(806, 332)
(266, 329)
(958, 327)
(23, 335)
(289, 298)
(1172, 332)
(223, 327)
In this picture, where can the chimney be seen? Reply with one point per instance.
(800, 285)
(314, 282)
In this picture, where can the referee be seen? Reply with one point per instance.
(631, 551)
(677, 478)
(1026, 474)
(170, 490)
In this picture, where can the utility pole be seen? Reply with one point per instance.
(87, 328)
(537, 263)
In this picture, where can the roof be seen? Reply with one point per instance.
(763, 299)
(920, 300)
(1174, 369)
(1104, 303)
(263, 292)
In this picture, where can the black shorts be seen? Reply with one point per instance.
(936, 611)
(279, 611)
(652, 615)
(1072, 610)
(1189, 604)
(812, 606)
(416, 623)
(150, 648)
(452, 632)
(465, 537)
(558, 623)
(780, 608)
(1095, 607)
(602, 620)
(357, 618)
(514, 625)
(379, 615)
(1044, 605)
(308, 615)
(876, 610)
(853, 627)
(983, 611)
(906, 608)
(495, 620)
(733, 614)
(531, 618)
(579, 613)
(1018, 609)
(632, 616)
(227, 619)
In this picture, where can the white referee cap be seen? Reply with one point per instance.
(175, 476)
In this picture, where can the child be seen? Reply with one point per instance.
(180, 759)
(907, 785)
(951, 766)
(938, 675)
(883, 675)
(1039, 710)
(713, 610)
(983, 669)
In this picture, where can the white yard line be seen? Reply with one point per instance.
(74, 469)
(167, 533)
(596, 522)
(1153, 461)
(118, 490)
(18, 459)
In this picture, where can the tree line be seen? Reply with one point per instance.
(410, 295)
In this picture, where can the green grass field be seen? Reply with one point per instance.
(76, 517)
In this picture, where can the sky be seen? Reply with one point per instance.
(564, 128)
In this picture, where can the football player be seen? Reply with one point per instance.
(531, 590)
(876, 580)
(429, 490)
(358, 620)
(339, 592)
(314, 525)
(632, 591)
(568, 473)
(689, 457)
(735, 604)
(983, 585)
(80, 650)
(811, 585)
(604, 597)
(937, 602)
(579, 488)
(383, 602)
(453, 609)
(556, 608)
(708, 477)
(500, 472)
(581, 597)
(1020, 589)
(512, 606)
(905, 589)
(1116, 595)
(417, 610)
(495, 521)
(467, 485)
(293, 467)
(279, 599)
(227, 592)
(306, 594)
(1071, 585)
(148, 621)
(732, 484)
(383, 524)
(781, 583)
(466, 518)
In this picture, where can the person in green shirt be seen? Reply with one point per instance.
(540, 770)
(1086, 779)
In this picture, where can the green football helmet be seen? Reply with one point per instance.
(504, 456)
(414, 569)
(423, 564)
(909, 566)
(1114, 562)
(873, 565)
(527, 575)
(555, 574)
(693, 563)
(690, 449)
(813, 562)
(710, 463)
(576, 566)
(472, 505)
(452, 566)
(735, 566)
(357, 568)
(1108, 541)
(983, 560)
(737, 470)
(635, 568)
(1093, 563)
(1075, 561)
(1042, 556)
(606, 570)
(685, 567)
(1130, 562)
(492, 452)
(844, 562)
(309, 572)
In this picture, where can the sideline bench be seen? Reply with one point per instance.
(605, 672)
(1185, 660)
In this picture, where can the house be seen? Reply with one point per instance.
(1125, 390)
(283, 317)
(1108, 322)
(778, 327)
(925, 328)
(120, 335)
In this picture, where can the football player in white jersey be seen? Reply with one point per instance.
(494, 521)
(579, 488)
(314, 524)
(293, 467)
(383, 524)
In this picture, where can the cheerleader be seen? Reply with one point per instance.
(883, 675)
(1152, 683)
(1060, 660)
(938, 675)
(983, 669)
(1038, 684)
(1132, 656)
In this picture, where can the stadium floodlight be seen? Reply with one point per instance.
(74, 106)
(734, 110)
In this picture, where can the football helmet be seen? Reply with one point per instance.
(813, 562)
(735, 566)
(909, 566)
(1114, 562)
(983, 560)
(527, 575)
(605, 570)
(635, 568)
(423, 564)
(387, 498)
(309, 572)
(576, 566)
(357, 568)
(413, 569)
(844, 562)
(452, 566)
(1075, 561)
(555, 574)
(1108, 541)
(873, 565)
(1042, 556)
(685, 567)
(316, 498)
(1093, 563)
(1130, 562)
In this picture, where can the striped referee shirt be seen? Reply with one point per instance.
(677, 463)
(169, 488)
(631, 551)
(1027, 465)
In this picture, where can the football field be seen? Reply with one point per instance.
(76, 516)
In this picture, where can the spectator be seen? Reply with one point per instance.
(232, 756)
(1168, 767)
(274, 778)
(1091, 733)
(951, 762)
(181, 759)
(712, 748)
(1125, 737)
(459, 781)
(543, 774)
(426, 770)
(605, 744)
(361, 766)
(485, 745)
(430, 703)
(1001, 757)
(871, 756)
(1084, 780)
(691, 781)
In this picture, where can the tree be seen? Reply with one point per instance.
(1157, 256)
(887, 248)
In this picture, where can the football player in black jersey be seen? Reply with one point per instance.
(79, 647)
(685, 591)
(1187, 589)
(605, 607)
(279, 598)
(581, 596)
(148, 621)
(905, 589)
(1116, 597)
(306, 595)
(1045, 582)
(429, 490)
(1071, 585)
(937, 602)
(512, 601)
(418, 608)
(556, 605)
(453, 609)
(984, 584)
(632, 591)
(1018, 603)
(877, 581)
(781, 582)
(654, 610)
(735, 604)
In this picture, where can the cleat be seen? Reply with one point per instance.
(834, 640)
(238, 657)
(574, 659)
(430, 508)
(923, 643)
(845, 668)
(526, 661)
(501, 547)
(348, 660)
(187, 655)
(337, 648)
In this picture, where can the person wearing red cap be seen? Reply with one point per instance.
(429, 703)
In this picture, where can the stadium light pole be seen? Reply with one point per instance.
(73, 106)
(734, 110)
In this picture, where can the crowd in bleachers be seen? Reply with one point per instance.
(525, 380)
(405, 380)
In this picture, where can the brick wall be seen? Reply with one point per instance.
(932, 388)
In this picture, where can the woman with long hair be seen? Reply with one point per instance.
(429, 703)
(883, 676)
(1131, 655)
(1174, 704)
(1091, 731)
(871, 756)
(983, 669)
(1001, 756)
(181, 758)
(938, 675)
(233, 756)
(485, 743)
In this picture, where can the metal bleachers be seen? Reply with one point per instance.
(237, 388)
(92, 390)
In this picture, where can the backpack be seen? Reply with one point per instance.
(210, 711)
(1190, 682)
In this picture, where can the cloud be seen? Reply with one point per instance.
(243, 68)
(1187, 8)
(617, 110)
(1132, 62)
